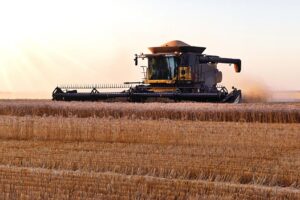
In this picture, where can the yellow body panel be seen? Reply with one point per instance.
(185, 74)
(162, 89)
(147, 81)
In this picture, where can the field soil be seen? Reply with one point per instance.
(76, 150)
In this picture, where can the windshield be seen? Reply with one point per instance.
(162, 67)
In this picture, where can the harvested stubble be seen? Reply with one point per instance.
(269, 154)
(78, 150)
(261, 112)
(28, 183)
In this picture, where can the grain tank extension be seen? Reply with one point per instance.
(176, 71)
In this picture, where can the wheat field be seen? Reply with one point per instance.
(68, 150)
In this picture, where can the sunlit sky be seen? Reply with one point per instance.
(45, 43)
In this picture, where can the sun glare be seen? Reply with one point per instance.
(37, 36)
(98, 38)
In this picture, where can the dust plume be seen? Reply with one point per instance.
(254, 90)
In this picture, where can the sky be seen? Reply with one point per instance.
(45, 43)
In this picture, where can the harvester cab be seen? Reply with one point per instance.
(175, 71)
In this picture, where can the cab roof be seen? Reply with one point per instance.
(176, 46)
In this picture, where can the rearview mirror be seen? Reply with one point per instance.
(136, 60)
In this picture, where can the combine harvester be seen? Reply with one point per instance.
(176, 71)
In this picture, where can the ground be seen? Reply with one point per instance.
(76, 150)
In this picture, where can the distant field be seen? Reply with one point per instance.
(149, 151)
(286, 96)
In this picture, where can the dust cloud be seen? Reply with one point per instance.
(256, 91)
(253, 90)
